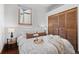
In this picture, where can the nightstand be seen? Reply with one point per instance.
(11, 43)
(10, 47)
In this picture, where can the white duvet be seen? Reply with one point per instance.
(52, 44)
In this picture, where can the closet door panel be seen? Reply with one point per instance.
(55, 24)
(62, 32)
(62, 29)
(50, 26)
(71, 18)
(55, 29)
(62, 19)
(71, 36)
(71, 26)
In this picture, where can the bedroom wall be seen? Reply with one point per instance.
(11, 19)
(63, 8)
(1, 27)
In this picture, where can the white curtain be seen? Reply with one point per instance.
(1, 27)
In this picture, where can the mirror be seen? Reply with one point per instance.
(25, 16)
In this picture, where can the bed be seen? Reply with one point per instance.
(48, 44)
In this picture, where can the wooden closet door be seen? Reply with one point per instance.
(55, 24)
(50, 25)
(71, 22)
(62, 28)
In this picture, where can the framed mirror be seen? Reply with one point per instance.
(25, 16)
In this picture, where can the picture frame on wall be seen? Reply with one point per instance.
(25, 16)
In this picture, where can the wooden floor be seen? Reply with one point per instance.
(10, 50)
(14, 51)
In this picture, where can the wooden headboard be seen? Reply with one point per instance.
(31, 35)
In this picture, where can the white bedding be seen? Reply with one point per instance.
(52, 44)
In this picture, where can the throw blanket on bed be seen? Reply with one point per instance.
(57, 42)
(52, 44)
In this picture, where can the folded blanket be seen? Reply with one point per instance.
(62, 45)
(57, 42)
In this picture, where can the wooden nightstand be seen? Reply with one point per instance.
(11, 47)
(12, 43)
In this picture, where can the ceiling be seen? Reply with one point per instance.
(35, 5)
(48, 7)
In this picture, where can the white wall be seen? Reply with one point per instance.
(1, 27)
(63, 8)
(11, 19)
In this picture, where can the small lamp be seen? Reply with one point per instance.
(11, 31)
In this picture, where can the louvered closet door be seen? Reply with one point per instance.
(55, 24)
(62, 28)
(71, 22)
(50, 26)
